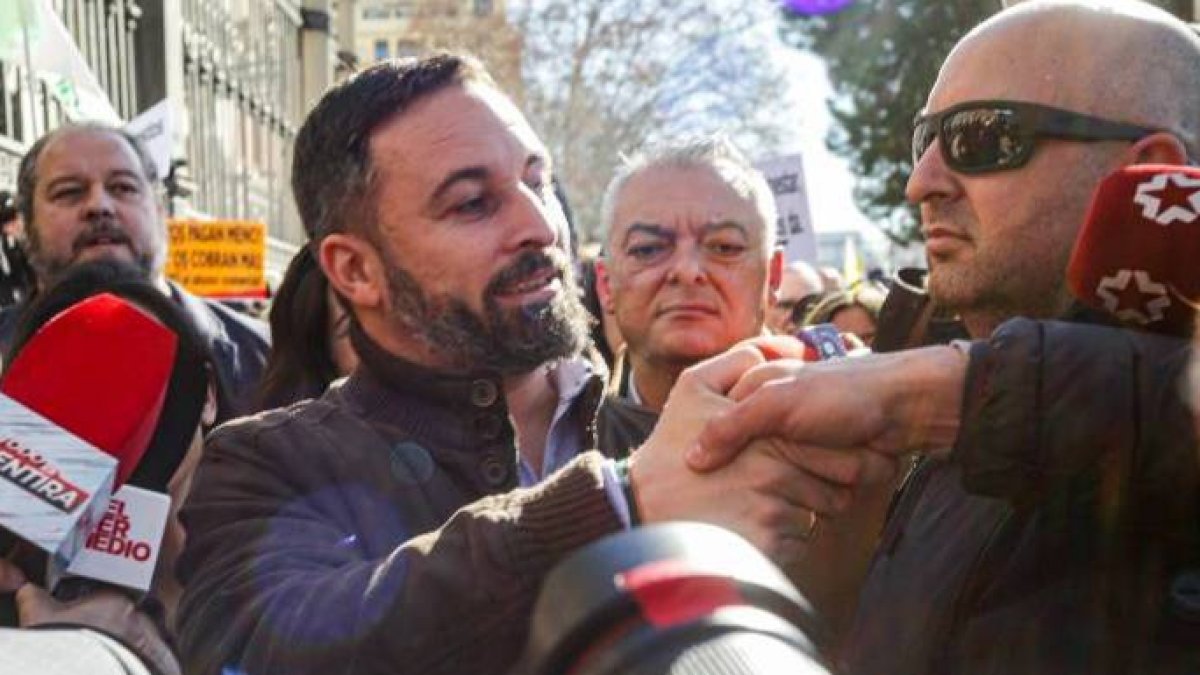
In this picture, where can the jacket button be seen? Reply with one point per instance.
(1185, 596)
(483, 393)
(495, 472)
(488, 427)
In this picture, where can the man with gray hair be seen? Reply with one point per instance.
(690, 270)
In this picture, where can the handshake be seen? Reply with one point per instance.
(766, 445)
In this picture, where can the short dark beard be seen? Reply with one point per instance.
(48, 271)
(508, 342)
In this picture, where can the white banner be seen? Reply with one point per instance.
(794, 229)
(155, 128)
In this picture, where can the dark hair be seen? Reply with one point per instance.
(591, 302)
(27, 171)
(188, 389)
(299, 365)
(331, 166)
(8, 206)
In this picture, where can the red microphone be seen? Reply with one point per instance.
(1136, 254)
(99, 370)
(78, 409)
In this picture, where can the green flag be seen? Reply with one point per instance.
(16, 18)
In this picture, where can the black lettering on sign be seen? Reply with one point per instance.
(787, 184)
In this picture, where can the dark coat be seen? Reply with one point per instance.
(377, 529)
(239, 344)
(1057, 536)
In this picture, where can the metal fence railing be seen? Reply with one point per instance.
(242, 92)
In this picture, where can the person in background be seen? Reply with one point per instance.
(831, 279)
(801, 284)
(16, 275)
(854, 311)
(690, 270)
(311, 346)
(89, 191)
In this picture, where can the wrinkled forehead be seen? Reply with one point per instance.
(88, 151)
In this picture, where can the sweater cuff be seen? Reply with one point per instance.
(568, 510)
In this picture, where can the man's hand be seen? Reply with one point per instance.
(761, 495)
(876, 406)
(11, 577)
(105, 610)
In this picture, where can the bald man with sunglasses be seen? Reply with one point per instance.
(1049, 539)
(1029, 112)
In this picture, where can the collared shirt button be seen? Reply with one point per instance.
(495, 472)
(483, 393)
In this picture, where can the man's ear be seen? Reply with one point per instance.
(775, 274)
(1157, 148)
(603, 290)
(354, 269)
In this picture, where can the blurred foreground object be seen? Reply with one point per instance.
(684, 599)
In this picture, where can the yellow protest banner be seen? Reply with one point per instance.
(218, 258)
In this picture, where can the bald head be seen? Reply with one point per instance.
(1119, 59)
(800, 281)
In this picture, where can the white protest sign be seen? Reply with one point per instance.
(793, 229)
(155, 128)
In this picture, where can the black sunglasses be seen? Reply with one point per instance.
(984, 136)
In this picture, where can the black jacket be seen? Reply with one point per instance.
(239, 345)
(622, 426)
(1063, 534)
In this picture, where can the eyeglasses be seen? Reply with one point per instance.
(985, 136)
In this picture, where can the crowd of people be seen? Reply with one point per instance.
(447, 404)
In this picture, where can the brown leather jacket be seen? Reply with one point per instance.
(355, 533)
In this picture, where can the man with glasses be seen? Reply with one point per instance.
(799, 289)
(1050, 538)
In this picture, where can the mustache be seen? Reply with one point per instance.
(527, 265)
(99, 230)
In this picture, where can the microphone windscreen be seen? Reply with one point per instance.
(100, 370)
(1136, 254)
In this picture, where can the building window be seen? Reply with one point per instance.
(483, 7)
(406, 48)
(381, 50)
(375, 13)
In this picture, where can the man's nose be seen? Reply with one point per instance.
(99, 201)
(931, 178)
(687, 265)
(536, 220)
